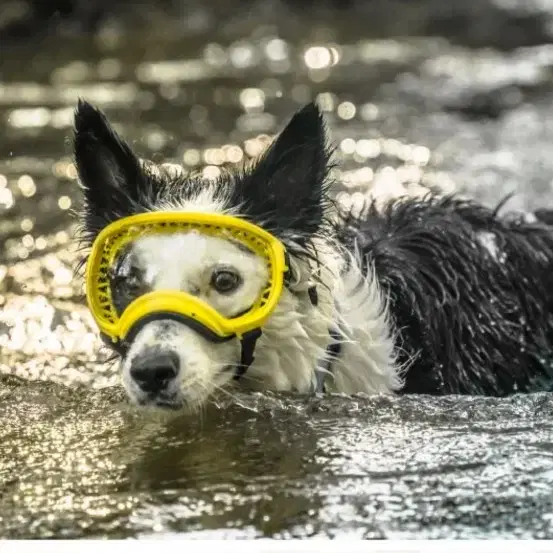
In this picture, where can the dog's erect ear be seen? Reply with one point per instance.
(286, 189)
(108, 169)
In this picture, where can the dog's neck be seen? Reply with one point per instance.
(295, 342)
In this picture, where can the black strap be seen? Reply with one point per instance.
(248, 342)
(119, 346)
(190, 322)
(332, 353)
(313, 296)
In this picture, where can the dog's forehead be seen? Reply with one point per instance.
(186, 255)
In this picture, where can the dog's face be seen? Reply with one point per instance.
(215, 270)
(168, 364)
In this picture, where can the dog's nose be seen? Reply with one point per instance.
(154, 370)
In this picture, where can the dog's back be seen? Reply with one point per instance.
(470, 293)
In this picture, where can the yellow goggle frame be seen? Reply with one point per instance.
(113, 239)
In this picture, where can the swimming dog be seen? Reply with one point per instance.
(434, 295)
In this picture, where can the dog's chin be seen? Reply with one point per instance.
(164, 401)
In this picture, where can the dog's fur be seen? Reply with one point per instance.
(433, 295)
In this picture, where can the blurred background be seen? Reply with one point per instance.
(416, 93)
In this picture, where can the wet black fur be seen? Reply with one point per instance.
(466, 322)
(473, 323)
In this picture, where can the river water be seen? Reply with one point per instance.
(466, 103)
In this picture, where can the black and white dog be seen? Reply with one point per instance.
(435, 295)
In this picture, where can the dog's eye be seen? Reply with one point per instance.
(225, 281)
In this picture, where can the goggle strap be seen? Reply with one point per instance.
(190, 322)
(333, 351)
(313, 296)
(288, 272)
(248, 342)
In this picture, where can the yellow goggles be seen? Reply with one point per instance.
(111, 242)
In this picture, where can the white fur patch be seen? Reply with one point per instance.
(203, 202)
(489, 241)
(368, 359)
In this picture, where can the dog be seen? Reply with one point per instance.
(431, 295)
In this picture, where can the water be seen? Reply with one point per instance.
(471, 112)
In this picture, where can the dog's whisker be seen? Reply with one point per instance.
(252, 378)
(225, 392)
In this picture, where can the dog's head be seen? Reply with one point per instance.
(284, 192)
